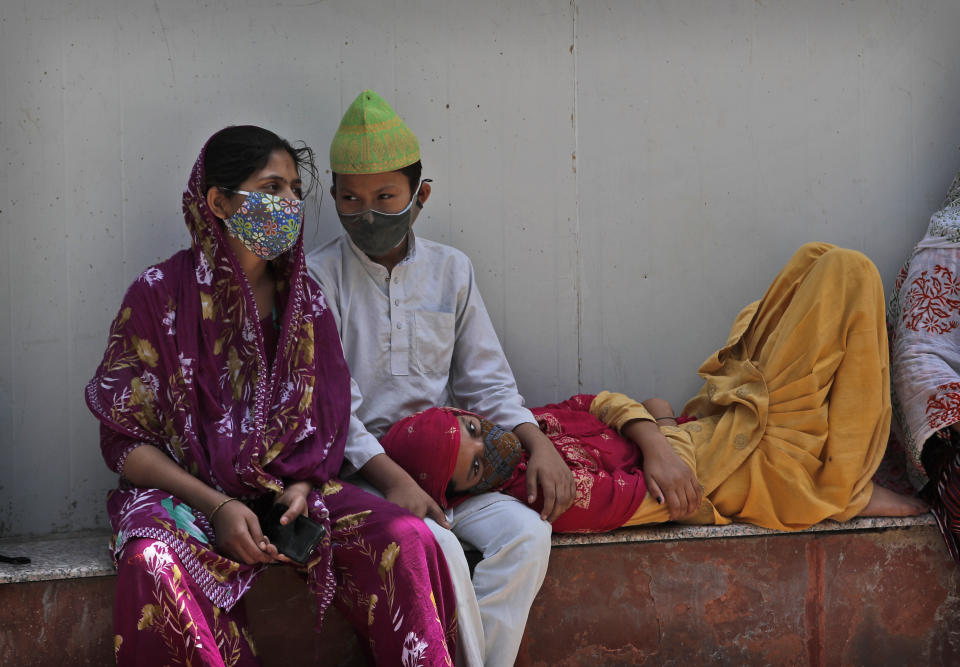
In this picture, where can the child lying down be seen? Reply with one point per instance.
(787, 431)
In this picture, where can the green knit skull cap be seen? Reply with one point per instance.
(372, 139)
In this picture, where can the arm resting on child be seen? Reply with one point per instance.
(400, 488)
(547, 469)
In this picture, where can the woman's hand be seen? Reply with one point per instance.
(669, 479)
(546, 469)
(237, 528)
(239, 536)
(294, 496)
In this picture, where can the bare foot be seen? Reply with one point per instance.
(885, 502)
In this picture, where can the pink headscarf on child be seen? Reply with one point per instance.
(426, 445)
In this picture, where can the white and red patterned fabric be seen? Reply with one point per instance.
(923, 318)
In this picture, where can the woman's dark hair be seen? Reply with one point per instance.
(411, 171)
(235, 152)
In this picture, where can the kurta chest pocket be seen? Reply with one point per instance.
(433, 335)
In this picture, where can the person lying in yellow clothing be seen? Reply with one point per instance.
(787, 431)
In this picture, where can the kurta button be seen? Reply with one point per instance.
(396, 302)
(399, 325)
(396, 281)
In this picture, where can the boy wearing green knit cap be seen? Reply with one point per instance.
(375, 160)
(416, 334)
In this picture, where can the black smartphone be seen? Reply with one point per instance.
(297, 539)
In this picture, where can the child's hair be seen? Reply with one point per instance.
(411, 171)
(237, 151)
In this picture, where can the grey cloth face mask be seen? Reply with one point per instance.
(376, 233)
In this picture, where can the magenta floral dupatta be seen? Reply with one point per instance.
(186, 371)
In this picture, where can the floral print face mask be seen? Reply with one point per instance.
(266, 224)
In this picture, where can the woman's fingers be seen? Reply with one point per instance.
(238, 533)
(673, 498)
(435, 513)
(242, 548)
(253, 529)
(677, 503)
(295, 498)
(257, 540)
(296, 507)
(679, 489)
(681, 495)
(682, 506)
(691, 492)
(654, 489)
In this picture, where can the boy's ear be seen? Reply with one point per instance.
(216, 200)
(333, 192)
(424, 194)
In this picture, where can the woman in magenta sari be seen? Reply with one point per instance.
(223, 382)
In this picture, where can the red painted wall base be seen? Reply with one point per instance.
(879, 596)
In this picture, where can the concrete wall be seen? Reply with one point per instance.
(624, 175)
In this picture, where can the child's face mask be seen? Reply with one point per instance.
(376, 233)
(266, 224)
(501, 455)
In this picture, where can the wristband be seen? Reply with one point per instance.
(670, 417)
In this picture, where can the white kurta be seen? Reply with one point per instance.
(421, 337)
(415, 339)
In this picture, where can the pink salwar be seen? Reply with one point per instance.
(384, 559)
(161, 617)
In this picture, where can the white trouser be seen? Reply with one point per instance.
(492, 608)
(515, 544)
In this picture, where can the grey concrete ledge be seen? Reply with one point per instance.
(67, 556)
(675, 532)
(79, 555)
